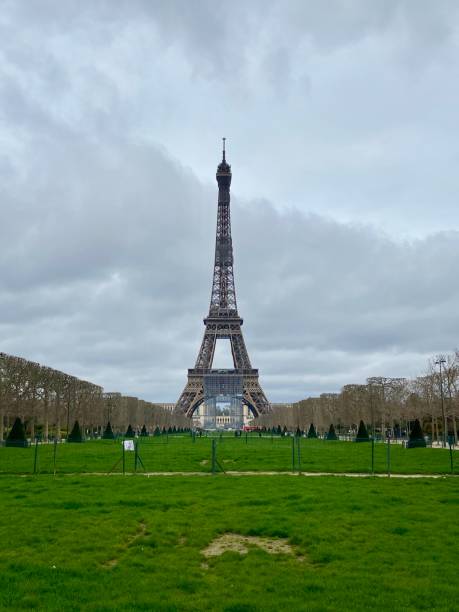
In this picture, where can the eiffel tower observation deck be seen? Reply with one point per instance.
(223, 322)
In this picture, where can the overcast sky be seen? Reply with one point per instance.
(342, 126)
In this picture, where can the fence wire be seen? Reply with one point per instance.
(226, 453)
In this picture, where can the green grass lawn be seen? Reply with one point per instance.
(180, 453)
(134, 543)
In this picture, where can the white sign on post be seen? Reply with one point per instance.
(128, 445)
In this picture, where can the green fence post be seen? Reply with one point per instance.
(388, 456)
(214, 455)
(293, 453)
(35, 457)
(54, 456)
(373, 455)
(124, 457)
(451, 441)
(299, 453)
(136, 454)
(246, 437)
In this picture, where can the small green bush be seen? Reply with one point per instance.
(17, 437)
(416, 439)
(75, 435)
(108, 433)
(312, 433)
(331, 435)
(144, 432)
(129, 432)
(362, 434)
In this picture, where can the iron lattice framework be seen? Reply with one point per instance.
(223, 320)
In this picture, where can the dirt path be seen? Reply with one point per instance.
(249, 473)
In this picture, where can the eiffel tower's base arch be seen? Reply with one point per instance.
(197, 404)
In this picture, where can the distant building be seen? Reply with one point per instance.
(221, 421)
(168, 407)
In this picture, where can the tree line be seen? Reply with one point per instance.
(49, 402)
(386, 405)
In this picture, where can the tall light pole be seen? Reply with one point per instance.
(441, 361)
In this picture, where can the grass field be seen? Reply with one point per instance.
(134, 543)
(180, 453)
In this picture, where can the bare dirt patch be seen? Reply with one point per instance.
(141, 530)
(241, 544)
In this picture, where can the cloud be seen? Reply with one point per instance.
(106, 269)
(345, 218)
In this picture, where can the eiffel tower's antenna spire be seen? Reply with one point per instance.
(224, 170)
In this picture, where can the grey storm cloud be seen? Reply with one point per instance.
(345, 220)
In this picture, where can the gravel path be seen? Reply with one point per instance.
(236, 474)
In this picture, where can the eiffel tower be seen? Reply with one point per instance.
(223, 321)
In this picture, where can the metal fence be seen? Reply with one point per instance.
(220, 453)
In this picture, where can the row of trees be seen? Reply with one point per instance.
(49, 402)
(386, 405)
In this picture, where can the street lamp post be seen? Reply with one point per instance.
(441, 361)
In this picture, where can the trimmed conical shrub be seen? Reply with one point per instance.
(362, 434)
(129, 432)
(17, 437)
(75, 435)
(157, 431)
(298, 432)
(279, 430)
(331, 435)
(417, 439)
(144, 432)
(108, 433)
(312, 431)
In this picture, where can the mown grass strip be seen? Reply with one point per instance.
(379, 543)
